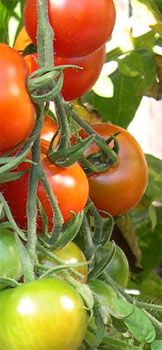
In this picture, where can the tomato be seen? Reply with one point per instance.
(118, 268)
(17, 117)
(49, 129)
(121, 187)
(70, 186)
(76, 81)
(80, 28)
(70, 254)
(10, 264)
(46, 314)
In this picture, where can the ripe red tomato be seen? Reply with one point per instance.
(80, 27)
(121, 187)
(46, 314)
(70, 186)
(10, 263)
(76, 81)
(49, 129)
(17, 112)
(70, 254)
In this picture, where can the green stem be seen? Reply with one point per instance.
(45, 35)
(32, 201)
(98, 139)
(65, 133)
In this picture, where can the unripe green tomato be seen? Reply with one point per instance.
(118, 269)
(10, 264)
(70, 254)
(45, 314)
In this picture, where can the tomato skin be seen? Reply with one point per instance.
(118, 269)
(49, 129)
(78, 81)
(70, 254)
(121, 187)
(46, 314)
(70, 186)
(18, 116)
(10, 263)
(80, 29)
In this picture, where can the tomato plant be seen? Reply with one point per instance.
(43, 314)
(118, 268)
(17, 117)
(70, 186)
(121, 187)
(70, 254)
(10, 264)
(79, 30)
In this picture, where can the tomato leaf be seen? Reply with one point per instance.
(138, 323)
(135, 74)
(153, 191)
(156, 345)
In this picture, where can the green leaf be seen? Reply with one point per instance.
(149, 240)
(134, 75)
(156, 345)
(154, 188)
(138, 323)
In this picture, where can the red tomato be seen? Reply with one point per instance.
(80, 27)
(76, 81)
(45, 314)
(49, 129)
(121, 187)
(70, 254)
(17, 112)
(70, 186)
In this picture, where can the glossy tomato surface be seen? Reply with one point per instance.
(46, 314)
(69, 185)
(121, 187)
(80, 27)
(17, 112)
(118, 268)
(70, 254)
(76, 81)
(10, 264)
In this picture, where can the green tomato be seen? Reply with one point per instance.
(45, 314)
(118, 269)
(70, 254)
(10, 264)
